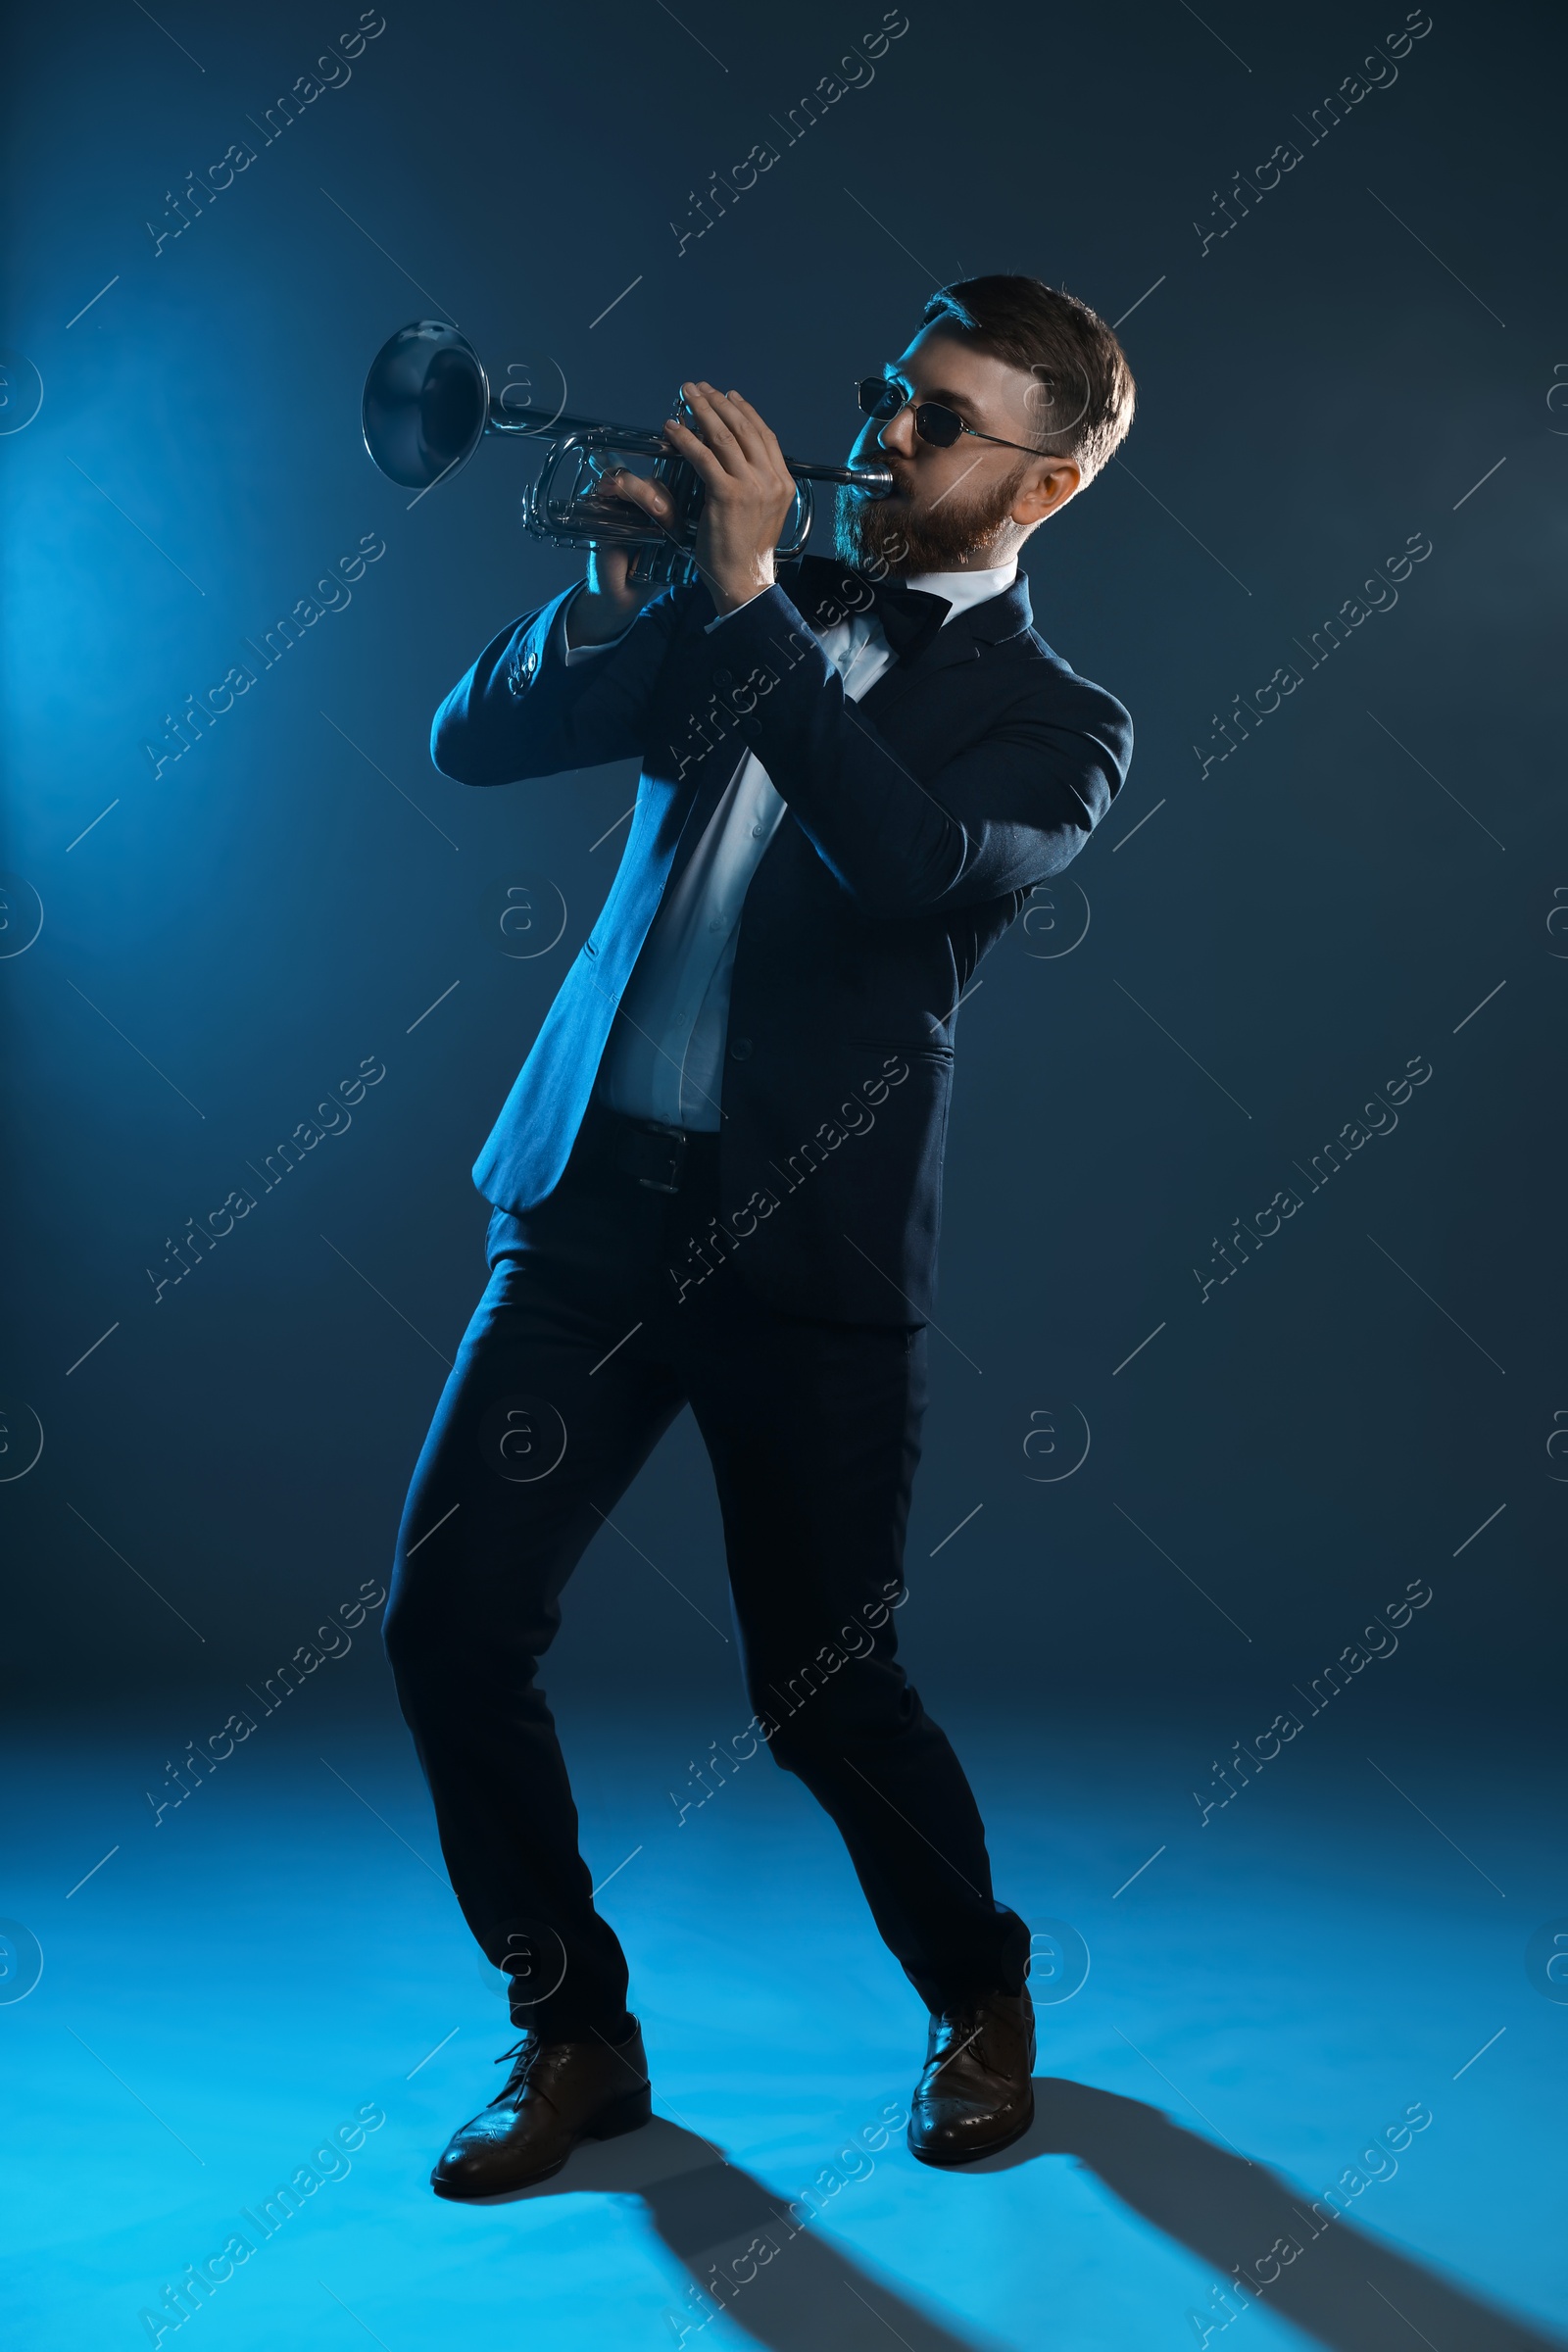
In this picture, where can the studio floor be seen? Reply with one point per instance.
(1275, 1999)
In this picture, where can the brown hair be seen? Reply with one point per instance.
(1083, 391)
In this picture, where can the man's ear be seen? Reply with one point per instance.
(1049, 491)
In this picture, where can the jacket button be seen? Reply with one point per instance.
(740, 1049)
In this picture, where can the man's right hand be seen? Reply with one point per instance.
(608, 604)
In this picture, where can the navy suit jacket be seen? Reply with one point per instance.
(918, 821)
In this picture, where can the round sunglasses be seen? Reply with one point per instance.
(940, 425)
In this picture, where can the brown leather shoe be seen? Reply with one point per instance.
(557, 2093)
(975, 2095)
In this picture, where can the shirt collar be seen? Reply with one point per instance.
(965, 588)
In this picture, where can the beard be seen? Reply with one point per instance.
(891, 534)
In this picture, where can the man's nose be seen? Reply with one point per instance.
(898, 435)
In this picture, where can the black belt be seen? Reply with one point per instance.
(661, 1160)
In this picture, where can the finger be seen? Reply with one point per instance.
(759, 448)
(741, 423)
(651, 497)
(696, 452)
(712, 429)
(753, 431)
(760, 438)
(705, 406)
(762, 450)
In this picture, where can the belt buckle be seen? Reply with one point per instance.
(675, 1139)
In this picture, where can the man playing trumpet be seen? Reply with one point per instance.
(716, 1181)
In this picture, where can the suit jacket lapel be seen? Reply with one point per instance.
(823, 592)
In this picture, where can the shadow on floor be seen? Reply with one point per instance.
(807, 2296)
(1344, 2287)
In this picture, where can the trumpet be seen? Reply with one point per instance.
(428, 404)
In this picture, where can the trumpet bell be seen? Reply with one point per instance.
(426, 404)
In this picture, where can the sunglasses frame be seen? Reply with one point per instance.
(908, 401)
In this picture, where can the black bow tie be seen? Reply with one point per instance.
(910, 617)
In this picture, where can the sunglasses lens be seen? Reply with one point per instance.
(938, 425)
(879, 398)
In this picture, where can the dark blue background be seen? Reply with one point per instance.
(236, 934)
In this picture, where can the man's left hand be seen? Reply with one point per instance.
(748, 492)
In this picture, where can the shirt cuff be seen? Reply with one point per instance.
(718, 623)
(582, 652)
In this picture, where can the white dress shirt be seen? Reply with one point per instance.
(665, 1058)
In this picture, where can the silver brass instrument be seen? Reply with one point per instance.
(428, 404)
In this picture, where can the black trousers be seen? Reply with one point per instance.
(580, 1354)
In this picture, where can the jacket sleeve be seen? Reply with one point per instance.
(1006, 813)
(521, 710)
